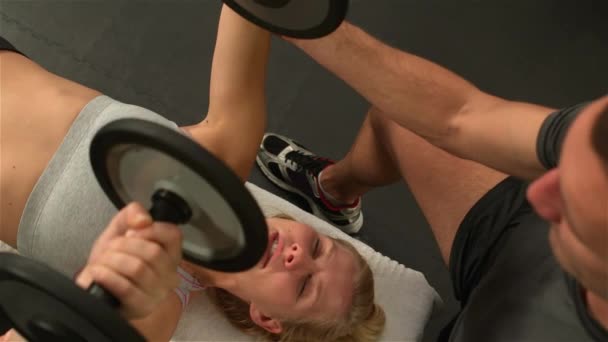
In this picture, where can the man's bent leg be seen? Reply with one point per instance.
(445, 187)
(367, 165)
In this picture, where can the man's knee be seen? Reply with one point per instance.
(389, 130)
(380, 123)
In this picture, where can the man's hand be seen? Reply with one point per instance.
(136, 260)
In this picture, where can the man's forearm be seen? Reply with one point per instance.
(414, 92)
(433, 102)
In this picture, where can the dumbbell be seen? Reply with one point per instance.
(293, 18)
(223, 229)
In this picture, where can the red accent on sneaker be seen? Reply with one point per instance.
(328, 204)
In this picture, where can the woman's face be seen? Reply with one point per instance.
(302, 275)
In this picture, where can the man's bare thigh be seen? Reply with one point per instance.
(445, 187)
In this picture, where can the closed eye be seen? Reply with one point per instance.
(304, 284)
(316, 249)
(315, 253)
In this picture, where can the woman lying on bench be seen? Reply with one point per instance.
(307, 287)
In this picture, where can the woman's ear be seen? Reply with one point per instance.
(269, 324)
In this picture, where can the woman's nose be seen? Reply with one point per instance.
(294, 257)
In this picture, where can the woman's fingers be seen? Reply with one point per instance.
(135, 303)
(166, 235)
(142, 274)
(135, 255)
(133, 216)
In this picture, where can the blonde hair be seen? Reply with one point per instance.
(364, 321)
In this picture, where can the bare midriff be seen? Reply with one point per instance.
(37, 109)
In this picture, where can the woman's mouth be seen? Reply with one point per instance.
(273, 242)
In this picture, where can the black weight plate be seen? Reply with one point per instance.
(37, 300)
(134, 158)
(303, 19)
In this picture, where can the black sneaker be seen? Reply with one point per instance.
(292, 167)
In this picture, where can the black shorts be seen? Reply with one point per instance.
(6, 45)
(475, 245)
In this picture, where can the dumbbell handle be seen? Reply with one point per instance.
(166, 207)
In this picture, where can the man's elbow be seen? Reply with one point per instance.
(445, 136)
(450, 134)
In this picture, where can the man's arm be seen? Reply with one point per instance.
(433, 102)
(236, 120)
